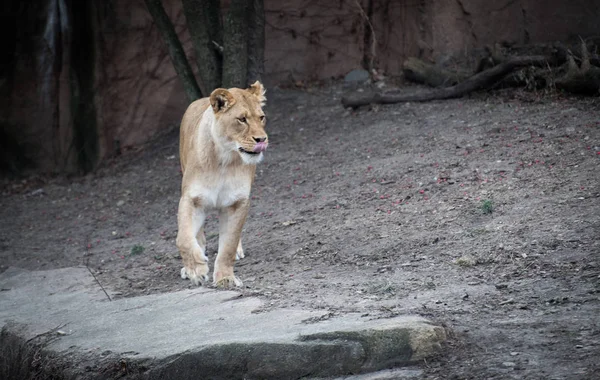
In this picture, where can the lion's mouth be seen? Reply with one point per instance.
(248, 152)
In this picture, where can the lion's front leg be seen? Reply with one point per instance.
(230, 230)
(190, 220)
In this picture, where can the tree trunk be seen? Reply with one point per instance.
(482, 80)
(256, 42)
(204, 23)
(369, 41)
(176, 52)
(235, 44)
(83, 89)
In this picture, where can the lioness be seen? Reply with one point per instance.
(222, 139)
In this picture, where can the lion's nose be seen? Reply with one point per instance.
(260, 139)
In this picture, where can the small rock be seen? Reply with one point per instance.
(465, 261)
(508, 301)
(120, 203)
(357, 75)
(509, 364)
(36, 192)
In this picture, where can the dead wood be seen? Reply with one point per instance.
(559, 51)
(420, 71)
(494, 55)
(478, 81)
(584, 79)
(176, 52)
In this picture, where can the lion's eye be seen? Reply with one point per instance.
(262, 118)
(242, 120)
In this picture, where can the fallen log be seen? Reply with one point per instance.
(583, 80)
(495, 55)
(416, 70)
(478, 81)
(559, 51)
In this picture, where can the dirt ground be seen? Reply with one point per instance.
(482, 214)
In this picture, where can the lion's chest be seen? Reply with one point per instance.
(218, 191)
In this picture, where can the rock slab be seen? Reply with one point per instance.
(198, 333)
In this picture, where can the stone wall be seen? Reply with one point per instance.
(138, 94)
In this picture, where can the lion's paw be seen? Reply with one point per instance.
(229, 282)
(198, 275)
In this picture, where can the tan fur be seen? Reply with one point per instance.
(216, 174)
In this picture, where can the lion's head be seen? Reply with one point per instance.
(241, 121)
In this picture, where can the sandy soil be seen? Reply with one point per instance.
(482, 214)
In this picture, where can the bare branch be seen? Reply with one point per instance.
(176, 52)
(373, 46)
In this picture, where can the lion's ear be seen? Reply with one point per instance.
(259, 91)
(221, 100)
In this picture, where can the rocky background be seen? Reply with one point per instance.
(103, 64)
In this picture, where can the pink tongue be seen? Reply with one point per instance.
(260, 147)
